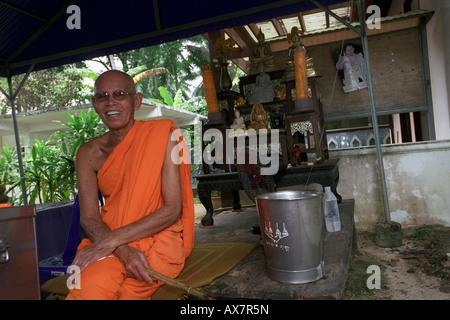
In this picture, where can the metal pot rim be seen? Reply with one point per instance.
(289, 195)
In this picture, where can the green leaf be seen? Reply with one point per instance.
(166, 96)
(156, 100)
(33, 152)
(178, 99)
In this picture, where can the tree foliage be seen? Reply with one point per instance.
(49, 166)
(49, 89)
(183, 59)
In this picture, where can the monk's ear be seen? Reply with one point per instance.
(94, 104)
(137, 101)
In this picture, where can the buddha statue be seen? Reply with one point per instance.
(263, 90)
(238, 122)
(258, 117)
(277, 117)
(263, 54)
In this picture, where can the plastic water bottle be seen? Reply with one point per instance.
(332, 217)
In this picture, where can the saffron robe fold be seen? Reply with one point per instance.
(130, 181)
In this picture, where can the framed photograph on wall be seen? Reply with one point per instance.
(351, 66)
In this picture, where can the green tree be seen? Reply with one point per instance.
(79, 130)
(49, 166)
(41, 169)
(9, 169)
(184, 60)
(195, 104)
(50, 88)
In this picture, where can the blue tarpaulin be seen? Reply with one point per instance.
(49, 33)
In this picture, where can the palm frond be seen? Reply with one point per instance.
(149, 73)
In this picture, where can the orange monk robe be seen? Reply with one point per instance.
(130, 181)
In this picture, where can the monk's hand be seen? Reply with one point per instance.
(135, 262)
(93, 252)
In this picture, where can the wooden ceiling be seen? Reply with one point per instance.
(276, 29)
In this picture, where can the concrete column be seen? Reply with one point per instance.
(438, 35)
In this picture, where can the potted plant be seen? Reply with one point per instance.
(216, 199)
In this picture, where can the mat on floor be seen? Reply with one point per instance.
(207, 262)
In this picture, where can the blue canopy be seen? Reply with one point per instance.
(37, 33)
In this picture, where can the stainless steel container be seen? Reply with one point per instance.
(293, 230)
(19, 274)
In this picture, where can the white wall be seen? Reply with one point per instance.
(417, 182)
(438, 35)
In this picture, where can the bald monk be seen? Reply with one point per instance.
(148, 216)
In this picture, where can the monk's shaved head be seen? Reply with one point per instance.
(126, 78)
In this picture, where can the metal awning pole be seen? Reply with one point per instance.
(362, 33)
(362, 21)
(12, 97)
(18, 146)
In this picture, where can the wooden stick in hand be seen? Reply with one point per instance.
(177, 284)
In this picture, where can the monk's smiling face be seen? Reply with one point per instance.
(116, 100)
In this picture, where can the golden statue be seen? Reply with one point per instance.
(263, 55)
(294, 37)
(258, 117)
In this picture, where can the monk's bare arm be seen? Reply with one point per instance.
(87, 165)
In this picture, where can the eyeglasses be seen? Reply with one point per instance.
(118, 95)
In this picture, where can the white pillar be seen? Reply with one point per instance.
(438, 36)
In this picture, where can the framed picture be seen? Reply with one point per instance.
(351, 67)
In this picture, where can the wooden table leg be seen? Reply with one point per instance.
(204, 195)
(236, 200)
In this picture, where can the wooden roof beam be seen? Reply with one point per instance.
(254, 28)
(302, 22)
(278, 27)
(242, 39)
(242, 64)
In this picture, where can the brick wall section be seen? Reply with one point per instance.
(396, 74)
